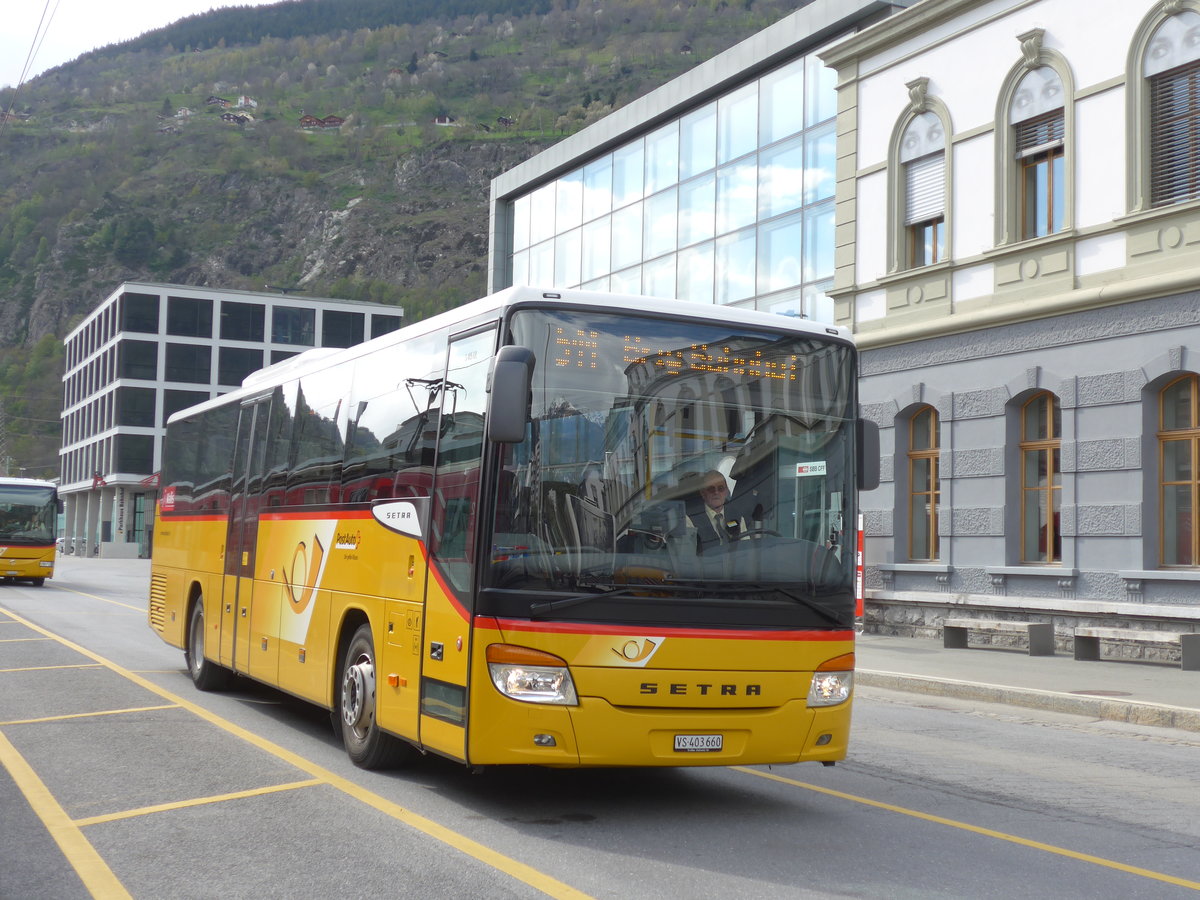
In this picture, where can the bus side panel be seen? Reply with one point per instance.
(187, 552)
(444, 654)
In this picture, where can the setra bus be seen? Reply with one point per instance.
(478, 536)
(28, 522)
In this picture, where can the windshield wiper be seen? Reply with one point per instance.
(797, 598)
(608, 592)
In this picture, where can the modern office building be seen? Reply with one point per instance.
(1001, 202)
(149, 350)
(716, 188)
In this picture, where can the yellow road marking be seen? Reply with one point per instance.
(93, 871)
(88, 715)
(975, 829)
(20, 640)
(199, 801)
(515, 869)
(45, 668)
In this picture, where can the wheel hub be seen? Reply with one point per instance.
(358, 693)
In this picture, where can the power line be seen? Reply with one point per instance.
(39, 36)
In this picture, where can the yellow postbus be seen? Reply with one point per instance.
(488, 535)
(28, 521)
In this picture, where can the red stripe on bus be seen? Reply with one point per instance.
(721, 633)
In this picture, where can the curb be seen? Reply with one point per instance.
(1137, 713)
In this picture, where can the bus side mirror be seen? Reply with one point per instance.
(509, 397)
(866, 434)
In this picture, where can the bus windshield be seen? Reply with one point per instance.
(677, 466)
(27, 514)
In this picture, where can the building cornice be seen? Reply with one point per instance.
(905, 24)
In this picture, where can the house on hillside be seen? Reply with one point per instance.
(236, 118)
(310, 121)
(333, 122)
(217, 101)
(445, 121)
(244, 102)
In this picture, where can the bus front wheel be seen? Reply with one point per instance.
(367, 745)
(206, 675)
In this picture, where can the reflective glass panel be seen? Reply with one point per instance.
(627, 174)
(658, 277)
(820, 163)
(521, 223)
(627, 236)
(662, 158)
(541, 263)
(541, 213)
(818, 242)
(697, 210)
(520, 267)
(597, 188)
(569, 209)
(781, 179)
(779, 263)
(737, 195)
(695, 273)
(779, 113)
(735, 266)
(737, 123)
(821, 91)
(627, 281)
(596, 248)
(698, 141)
(566, 259)
(658, 236)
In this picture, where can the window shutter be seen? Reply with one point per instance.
(1039, 134)
(1175, 135)
(924, 188)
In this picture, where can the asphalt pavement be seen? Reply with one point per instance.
(1142, 693)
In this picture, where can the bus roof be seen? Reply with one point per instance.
(7, 481)
(321, 357)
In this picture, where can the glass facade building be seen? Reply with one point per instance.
(726, 200)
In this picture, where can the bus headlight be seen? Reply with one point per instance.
(833, 681)
(533, 676)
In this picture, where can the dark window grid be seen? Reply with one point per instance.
(242, 322)
(189, 363)
(189, 317)
(1179, 540)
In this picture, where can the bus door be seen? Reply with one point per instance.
(453, 516)
(240, 621)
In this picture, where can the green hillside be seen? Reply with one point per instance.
(121, 165)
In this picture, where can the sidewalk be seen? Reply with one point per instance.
(1137, 692)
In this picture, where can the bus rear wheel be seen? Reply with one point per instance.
(367, 745)
(206, 675)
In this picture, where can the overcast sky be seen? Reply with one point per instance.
(61, 30)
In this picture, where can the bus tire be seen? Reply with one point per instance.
(206, 674)
(38, 582)
(367, 746)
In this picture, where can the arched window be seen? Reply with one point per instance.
(1036, 115)
(1041, 479)
(923, 160)
(1179, 475)
(923, 484)
(1171, 67)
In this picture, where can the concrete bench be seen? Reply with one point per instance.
(1087, 643)
(1039, 634)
